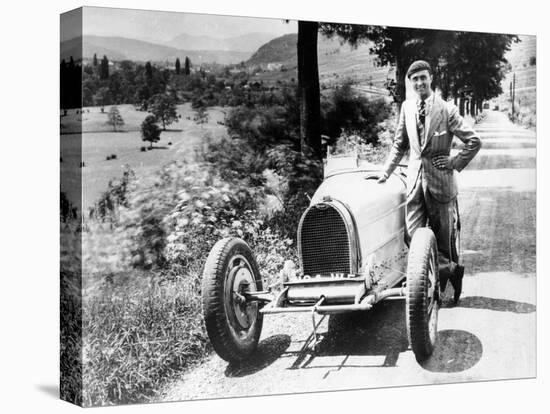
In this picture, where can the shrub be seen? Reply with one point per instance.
(348, 112)
(143, 149)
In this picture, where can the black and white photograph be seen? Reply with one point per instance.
(268, 206)
(281, 205)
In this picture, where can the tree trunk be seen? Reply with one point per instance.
(400, 92)
(461, 106)
(308, 87)
(455, 100)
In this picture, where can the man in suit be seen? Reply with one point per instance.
(426, 126)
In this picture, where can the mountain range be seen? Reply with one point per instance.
(199, 49)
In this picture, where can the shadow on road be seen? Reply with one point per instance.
(502, 305)
(455, 351)
(269, 350)
(383, 331)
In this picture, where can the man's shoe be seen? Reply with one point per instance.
(456, 282)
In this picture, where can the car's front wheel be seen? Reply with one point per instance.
(232, 323)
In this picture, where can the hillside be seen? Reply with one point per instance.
(522, 58)
(279, 50)
(336, 62)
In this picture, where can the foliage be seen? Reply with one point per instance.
(115, 196)
(101, 97)
(114, 118)
(465, 70)
(150, 131)
(163, 107)
(178, 66)
(201, 115)
(104, 68)
(348, 112)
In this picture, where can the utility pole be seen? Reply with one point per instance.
(513, 94)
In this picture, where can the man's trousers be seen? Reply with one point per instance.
(423, 209)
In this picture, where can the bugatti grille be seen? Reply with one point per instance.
(324, 242)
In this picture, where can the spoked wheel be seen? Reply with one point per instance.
(233, 324)
(423, 293)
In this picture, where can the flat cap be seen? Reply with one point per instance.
(417, 66)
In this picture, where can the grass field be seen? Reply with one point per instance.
(98, 141)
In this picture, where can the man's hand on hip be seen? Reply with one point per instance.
(442, 162)
(382, 178)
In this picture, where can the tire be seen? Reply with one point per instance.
(233, 326)
(422, 301)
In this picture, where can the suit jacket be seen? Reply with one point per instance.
(442, 123)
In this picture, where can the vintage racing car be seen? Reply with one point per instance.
(352, 255)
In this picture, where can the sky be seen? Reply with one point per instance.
(161, 26)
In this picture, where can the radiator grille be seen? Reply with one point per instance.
(324, 242)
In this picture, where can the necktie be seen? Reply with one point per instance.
(422, 112)
(422, 119)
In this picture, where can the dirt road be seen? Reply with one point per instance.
(489, 335)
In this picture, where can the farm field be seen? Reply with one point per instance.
(96, 146)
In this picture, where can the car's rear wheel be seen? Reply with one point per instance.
(422, 293)
(232, 323)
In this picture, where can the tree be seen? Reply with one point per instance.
(114, 118)
(187, 67)
(308, 76)
(95, 60)
(178, 66)
(104, 68)
(308, 89)
(201, 114)
(469, 73)
(150, 131)
(102, 98)
(148, 72)
(163, 107)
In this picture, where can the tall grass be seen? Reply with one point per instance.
(140, 334)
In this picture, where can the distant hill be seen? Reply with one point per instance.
(279, 50)
(120, 48)
(249, 42)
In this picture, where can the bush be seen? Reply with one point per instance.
(143, 149)
(348, 112)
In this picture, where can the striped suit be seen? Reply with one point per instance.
(431, 192)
